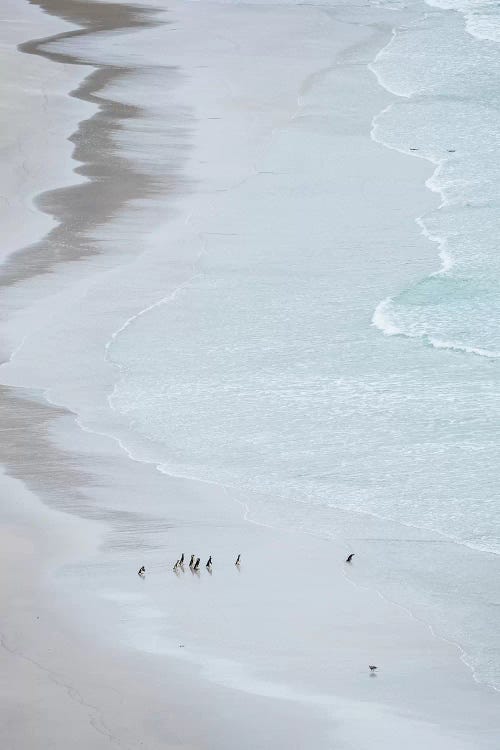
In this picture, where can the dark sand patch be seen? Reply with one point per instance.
(113, 180)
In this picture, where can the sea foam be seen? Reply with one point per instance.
(447, 114)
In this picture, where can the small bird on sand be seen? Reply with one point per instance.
(191, 562)
(181, 561)
(141, 572)
(209, 562)
(372, 668)
(238, 560)
(349, 557)
(197, 564)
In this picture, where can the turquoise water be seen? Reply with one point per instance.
(295, 364)
(449, 112)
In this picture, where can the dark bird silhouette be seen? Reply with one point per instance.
(372, 668)
(413, 149)
(191, 562)
(197, 564)
(209, 562)
(181, 561)
(349, 557)
(142, 571)
(238, 560)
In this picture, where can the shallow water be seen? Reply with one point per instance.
(449, 115)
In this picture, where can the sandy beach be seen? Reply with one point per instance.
(140, 157)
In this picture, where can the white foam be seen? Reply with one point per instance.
(383, 320)
(454, 189)
(459, 347)
(446, 257)
(482, 20)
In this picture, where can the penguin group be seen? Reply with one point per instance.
(195, 562)
(194, 565)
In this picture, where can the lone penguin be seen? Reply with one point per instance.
(209, 562)
(191, 562)
(238, 560)
(141, 572)
(349, 557)
(372, 668)
(197, 564)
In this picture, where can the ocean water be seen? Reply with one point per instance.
(481, 17)
(280, 368)
(449, 112)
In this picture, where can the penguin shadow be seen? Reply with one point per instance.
(179, 567)
(195, 569)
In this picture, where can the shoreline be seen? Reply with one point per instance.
(96, 450)
(440, 159)
(100, 188)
